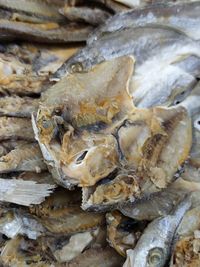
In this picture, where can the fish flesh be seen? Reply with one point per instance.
(153, 247)
(182, 16)
(26, 157)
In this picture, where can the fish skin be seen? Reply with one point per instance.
(34, 8)
(142, 42)
(182, 16)
(161, 203)
(93, 16)
(41, 33)
(16, 129)
(27, 157)
(175, 79)
(16, 106)
(157, 238)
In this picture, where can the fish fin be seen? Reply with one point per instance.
(23, 192)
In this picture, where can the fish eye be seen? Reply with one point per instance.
(46, 124)
(155, 257)
(76, 67)
(197, 124)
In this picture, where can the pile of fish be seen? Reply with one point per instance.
(100, 133)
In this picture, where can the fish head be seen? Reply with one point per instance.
(89, 157)
(78, 63)
(77, 118)
(150, 255)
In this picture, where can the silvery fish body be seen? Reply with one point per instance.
(154, 245)
(182, 16)
(156, 49)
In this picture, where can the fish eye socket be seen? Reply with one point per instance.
(155, 257)
(76, 67)
(197, 123)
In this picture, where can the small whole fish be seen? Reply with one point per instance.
(92, 16)
(144, 43)
(36, 8)
(181, 16)
(16, 128)
(154, 246)
(26, 157)
(45, 33)
(16, 106)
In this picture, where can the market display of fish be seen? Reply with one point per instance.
(99, 133)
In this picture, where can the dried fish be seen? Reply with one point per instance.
(23, 192)
(20, 252)
(34, 8)
(105, 257)
(175, 79)
(73, 158)
(188, 229)
(14, 223)
(123, 233)
(17, 77)
(92, 16)
(186, 252)
(8, 145)
(16, 128)
(186, 248)
(191, 168)
(41, 178)
(151, 151)
(153, 247)
(44, 33)
(182, 16)
(72, 220)
(17, 106)
(144, 43)
(26, 157)
(57, 204)
(161, 203)
(76, 245)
